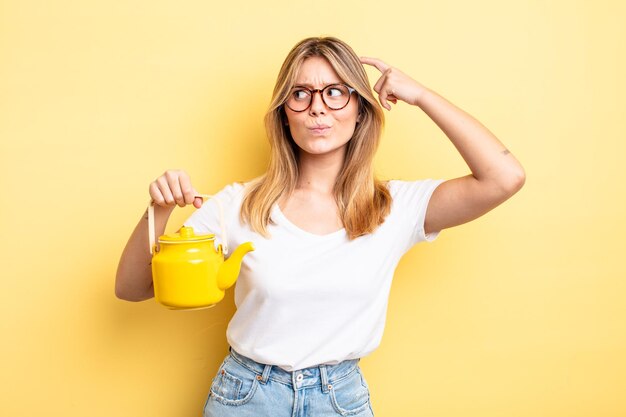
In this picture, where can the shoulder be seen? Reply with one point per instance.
(237, 186)
(228, 196)
(402, 188)
(412, 197)
(232, 190)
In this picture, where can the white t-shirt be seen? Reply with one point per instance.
(305, 299)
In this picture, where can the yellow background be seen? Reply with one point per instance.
(520, 313)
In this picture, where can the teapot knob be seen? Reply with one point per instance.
(186, 232)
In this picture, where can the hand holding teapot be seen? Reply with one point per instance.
(188, 271)
(174, 187)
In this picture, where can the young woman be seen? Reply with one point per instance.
(312, 298)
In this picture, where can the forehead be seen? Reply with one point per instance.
(316, 71)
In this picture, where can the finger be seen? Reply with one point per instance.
(198, 199)
(382, 97)
(189, 193)
(380, 65)
(382, 80)
(155, 194)
(386, 94)
(379, 83)
(164, 188)
(174, 184)
(391, 96)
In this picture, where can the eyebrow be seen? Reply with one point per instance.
(312, 87)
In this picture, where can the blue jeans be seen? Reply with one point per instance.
(245, 388)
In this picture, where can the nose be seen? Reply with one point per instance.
(317, 104)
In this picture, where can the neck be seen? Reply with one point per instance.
(319, 172)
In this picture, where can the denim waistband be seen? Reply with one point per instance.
(320, 375)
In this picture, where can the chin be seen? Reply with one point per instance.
(321, 150)
(320, 146)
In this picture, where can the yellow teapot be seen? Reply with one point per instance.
(187, 271)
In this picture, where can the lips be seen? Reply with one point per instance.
(319, 128)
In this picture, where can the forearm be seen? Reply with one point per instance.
(133, 280)
(487, 158)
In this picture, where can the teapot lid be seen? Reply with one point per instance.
(185, 234)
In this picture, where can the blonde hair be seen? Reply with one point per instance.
(362, 200)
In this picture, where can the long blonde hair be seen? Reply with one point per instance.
(363, 201)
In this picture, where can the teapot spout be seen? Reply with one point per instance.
(229, 271)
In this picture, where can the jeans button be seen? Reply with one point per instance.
(300, 377)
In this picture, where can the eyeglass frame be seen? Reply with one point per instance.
(320, 90)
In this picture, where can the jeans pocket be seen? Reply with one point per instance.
(350, 395)
(234, 384)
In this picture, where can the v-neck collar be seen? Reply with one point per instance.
(283, 220)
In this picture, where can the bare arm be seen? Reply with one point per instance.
(496, 173)
(133, 281)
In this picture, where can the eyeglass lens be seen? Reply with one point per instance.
(335, 96)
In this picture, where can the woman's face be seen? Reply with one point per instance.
(318, 129)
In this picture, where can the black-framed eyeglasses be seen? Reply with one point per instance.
(334, 96)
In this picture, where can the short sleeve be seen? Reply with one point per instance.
(410, 202)
(207, 220)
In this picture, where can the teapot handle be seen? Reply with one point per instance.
(152, 229)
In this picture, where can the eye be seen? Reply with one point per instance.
(300, 94)
(336, 91)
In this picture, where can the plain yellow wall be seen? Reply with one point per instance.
(520, 313)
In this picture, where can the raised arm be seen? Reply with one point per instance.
(496, 173)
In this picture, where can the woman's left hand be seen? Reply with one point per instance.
(394, 85)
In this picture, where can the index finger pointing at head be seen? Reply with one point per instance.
(380, 65)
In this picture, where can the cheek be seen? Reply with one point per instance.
(293, 120)
(347, 120)
(349, 114)
(295, 127)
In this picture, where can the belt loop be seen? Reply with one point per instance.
(324, 376)
(266, 374)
